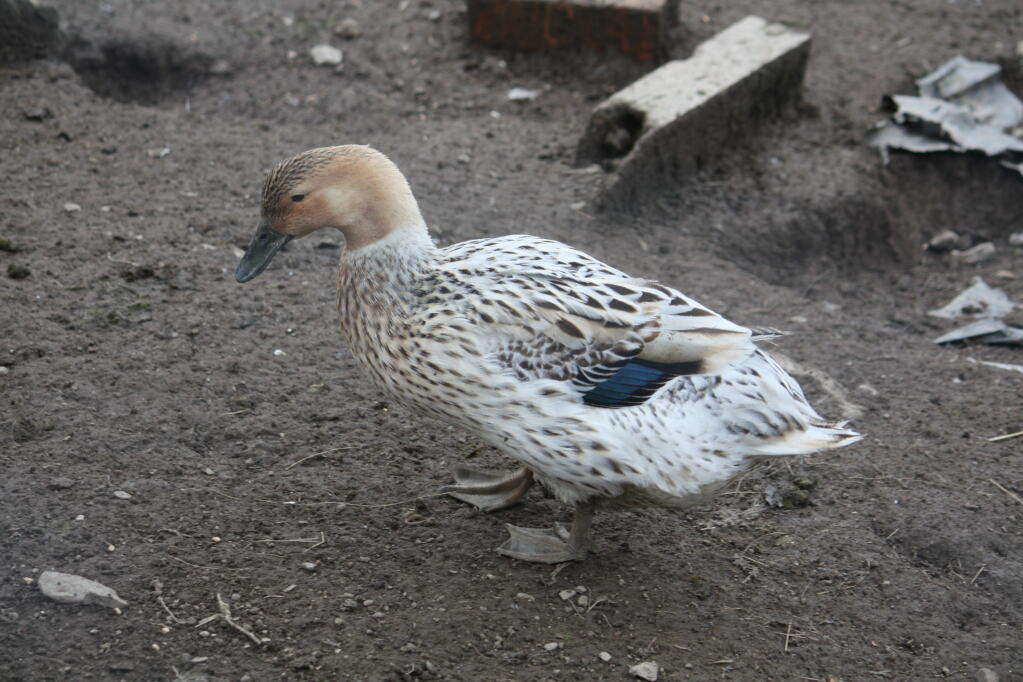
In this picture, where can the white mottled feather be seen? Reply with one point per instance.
(506, 337)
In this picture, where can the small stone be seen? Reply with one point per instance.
(60, 483)
(583, 600)
(604, 656)
(433, 15)
(278, 352)
(551, 646)
(74, 589)
(519, 94)
(121, 495)
(647, 670)
(221, 67)
(566, 594)
(158, 152)
(325, 55)
(986, 675)
(4, 370)
(36, 114)
(349, 29)
(522, 596)
(867, 389)
(463, 158)
(1005, 274)
(308, 566)
(980, 252)
(72, 207)
(946, 240)
(15, 271)
(1016, 238)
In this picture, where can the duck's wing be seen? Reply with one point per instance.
(547, 311)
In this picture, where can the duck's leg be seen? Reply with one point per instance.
(487, 490)
(552, 546)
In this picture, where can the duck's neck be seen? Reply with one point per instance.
(388, 269)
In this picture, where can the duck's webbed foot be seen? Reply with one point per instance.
(489, 490)
(552, 546)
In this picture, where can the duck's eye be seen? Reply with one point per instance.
(297, 197)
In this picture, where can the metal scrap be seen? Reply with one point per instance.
(987, 306)
(978, 300)
(963, 106)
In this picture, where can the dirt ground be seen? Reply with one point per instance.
(263, 468)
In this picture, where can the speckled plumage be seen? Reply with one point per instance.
(507, 337)
(606, 388)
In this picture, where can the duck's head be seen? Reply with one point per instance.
(353, 188)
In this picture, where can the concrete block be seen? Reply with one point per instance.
(637, 28)
(674, 120)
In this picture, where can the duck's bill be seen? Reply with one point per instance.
(265, 243)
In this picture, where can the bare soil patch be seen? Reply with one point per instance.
(285, 484)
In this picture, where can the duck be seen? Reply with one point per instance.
(611, 391)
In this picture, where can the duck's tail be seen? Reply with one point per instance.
(816, 436)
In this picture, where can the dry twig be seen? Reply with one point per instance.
(1006, 490)
(318, 454)
(170, 613)
(225, 613)
(1005, 436)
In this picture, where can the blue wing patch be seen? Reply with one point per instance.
(635, 382)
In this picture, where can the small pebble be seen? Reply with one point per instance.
(221, 67)
(308, 566)
(647, 670)
(434, 15)
(72, 207)
(604, 656)
(980, 252)
(121, 495)
(566, 594)
(550, 646)
(986, 675)
(4, 370)
(522, 596)
(349, 29)
(325, 55)
(36, 114)
(946, 240)
(519, 94)
(868, 390)
(1016, 238)
(61, 483)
